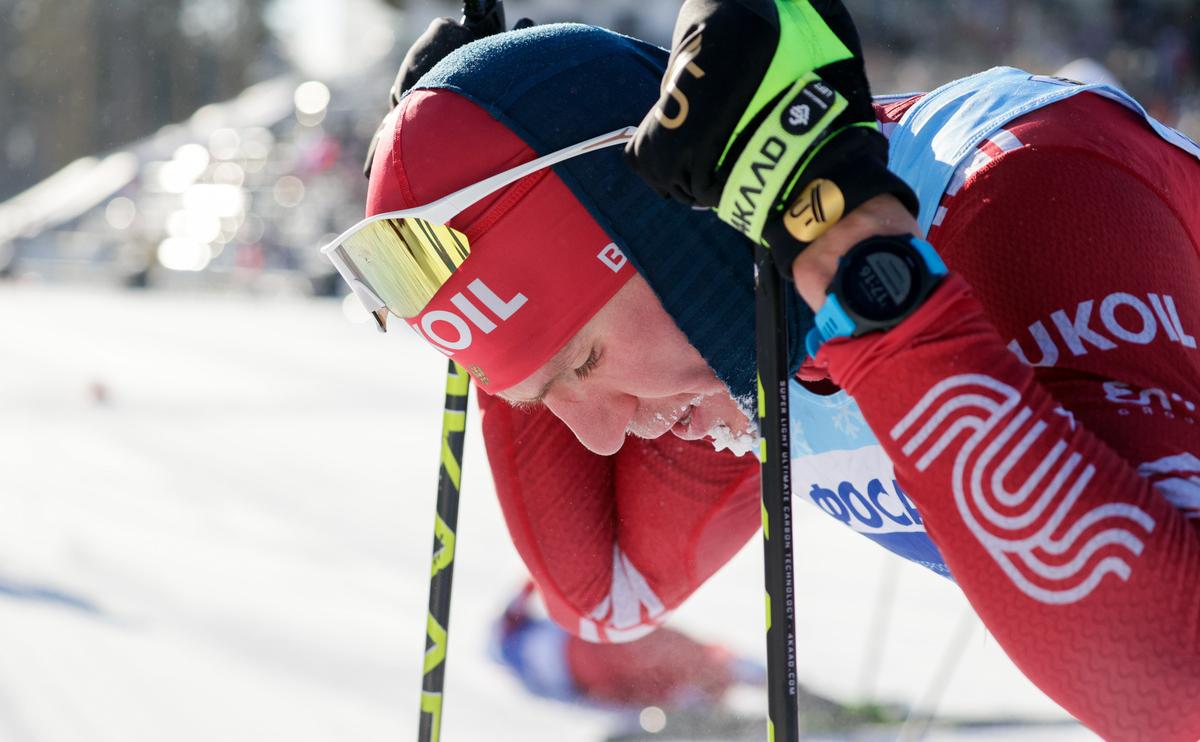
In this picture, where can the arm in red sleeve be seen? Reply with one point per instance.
(616, 542)
(1063, 497)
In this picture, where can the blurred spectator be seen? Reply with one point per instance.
(1151, 46)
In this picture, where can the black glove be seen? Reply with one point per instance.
(443, 36)
(766, 113)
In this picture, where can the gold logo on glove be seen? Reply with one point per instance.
(670, 84)
(818, 207)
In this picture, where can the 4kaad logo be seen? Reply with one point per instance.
(1025, 513)
(746, 205)
(1125, 317)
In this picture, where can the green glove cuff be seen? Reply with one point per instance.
(806, 43)
(800, 119)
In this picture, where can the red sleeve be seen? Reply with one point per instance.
(616, 542)
(1064, 497)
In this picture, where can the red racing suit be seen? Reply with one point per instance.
(1040, 410)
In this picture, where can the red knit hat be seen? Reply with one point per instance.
(540, 267)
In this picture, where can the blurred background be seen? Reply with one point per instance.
(216, 484)
(143, 143)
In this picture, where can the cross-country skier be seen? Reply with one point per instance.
(1032, 412)
(665, 667)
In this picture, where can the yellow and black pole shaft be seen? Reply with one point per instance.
(483, 18)
(771, 332)
(445, 524)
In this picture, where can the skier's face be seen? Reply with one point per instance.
(631, 371)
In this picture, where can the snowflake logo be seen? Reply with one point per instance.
(845, 422)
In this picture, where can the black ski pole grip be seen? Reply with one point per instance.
(484, 17)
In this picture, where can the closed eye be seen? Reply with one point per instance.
(581, 372)
(585, 370)
(525, 405)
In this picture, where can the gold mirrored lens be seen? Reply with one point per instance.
(405, 261)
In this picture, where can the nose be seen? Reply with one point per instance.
(599, 422)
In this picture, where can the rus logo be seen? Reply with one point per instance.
(1018, 483)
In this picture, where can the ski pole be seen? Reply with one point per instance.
(473, 9)
(445, 524)
(484, 17)
(771, 340)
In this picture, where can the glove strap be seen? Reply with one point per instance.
(849, 169)
(797, 122)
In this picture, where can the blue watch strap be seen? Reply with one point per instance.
(933, 261)
(832, 321)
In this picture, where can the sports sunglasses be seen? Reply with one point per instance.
(395, 262)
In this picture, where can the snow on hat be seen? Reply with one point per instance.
(542, 89)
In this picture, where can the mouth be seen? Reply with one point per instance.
(699, 423)
(683, 426)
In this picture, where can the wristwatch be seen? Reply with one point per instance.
(880, 282)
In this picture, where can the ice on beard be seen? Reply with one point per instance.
(739, 443)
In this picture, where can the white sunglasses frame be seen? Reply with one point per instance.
(446, 208)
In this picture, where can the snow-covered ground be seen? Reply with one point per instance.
(215, 524)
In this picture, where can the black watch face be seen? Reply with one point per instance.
(881, 280)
